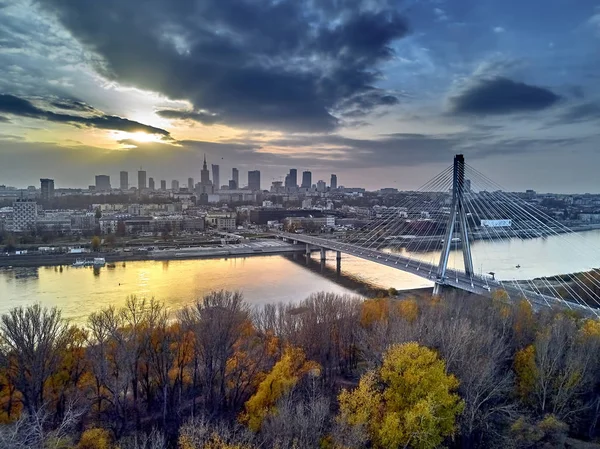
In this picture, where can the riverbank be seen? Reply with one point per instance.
(258, 248)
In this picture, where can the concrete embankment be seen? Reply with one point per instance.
(38, 260)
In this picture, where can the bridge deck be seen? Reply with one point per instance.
(475, 284)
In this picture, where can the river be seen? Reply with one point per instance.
(268, 279)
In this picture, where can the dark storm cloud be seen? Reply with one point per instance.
(287, 65)
(501, 95)
(201, 117)
(10, 104)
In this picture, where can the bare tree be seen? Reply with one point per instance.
(218, 322)
(36, 431)
(33, 338)
(301, 421)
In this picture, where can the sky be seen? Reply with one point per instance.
(381, 92)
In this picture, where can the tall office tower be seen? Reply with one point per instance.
(124, 178)
(47, 188)
(204, 174)
(175, 185)
(254, 180)
(333, 182)
(151, 183)
(102, 182)
(163, 185)
(235, 177)
(190, 184)
(321, 186)
(216, 177)
(292, 179)
(306, 179)
(141, 180)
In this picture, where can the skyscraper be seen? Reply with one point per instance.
(235, 177)
(291, 179)
(333, 182)
(216, 177)
(306, 179)
(47, 188)
(151, 183)
(204, 174)
(321, 186)
(163, 185)
(175, 185)
(190, 184)
(254, 180)
(124, 178)
(102, 182)
(141, 180)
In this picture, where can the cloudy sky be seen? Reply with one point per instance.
(381, 92)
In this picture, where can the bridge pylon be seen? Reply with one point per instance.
(457, 219)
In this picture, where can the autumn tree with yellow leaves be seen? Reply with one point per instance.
(286, 373)
(408, 401)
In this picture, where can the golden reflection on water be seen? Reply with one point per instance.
(80, 291)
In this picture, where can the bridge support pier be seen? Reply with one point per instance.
(307, 249)
(323, 254)
(338, 262)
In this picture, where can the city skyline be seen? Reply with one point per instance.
(520, 99)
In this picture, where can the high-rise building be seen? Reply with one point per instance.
(102, 182)
(190, 184)
(321, 186)
(24, 215)
(204, 174)
(216, 178)
(291, 179)
(306, 179)
(235, 177)
(47, 188)
(141, 180)
(232, 185)
(205, 186)
(175, 185)
(254, 180)
(124, 178)
(151, 185)
(333, 182)
(163, 185)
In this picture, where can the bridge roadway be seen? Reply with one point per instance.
(479, 285)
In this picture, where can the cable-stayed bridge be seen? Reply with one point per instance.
(445, 216)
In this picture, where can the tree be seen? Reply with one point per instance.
(555, 375)
(95, 243)
(121, 228)
(111, 239)
(33, 340)
(95, 438)
(218, 321)
(408, 401)
(283, 377)
(98, 213)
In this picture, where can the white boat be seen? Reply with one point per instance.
(79, 263)
(99, 261)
